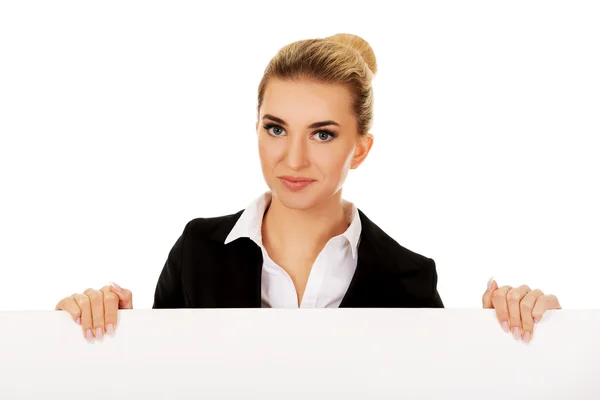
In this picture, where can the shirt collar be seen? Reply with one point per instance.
(250, 223)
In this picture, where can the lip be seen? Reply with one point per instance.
(296, 179)
(295, 183)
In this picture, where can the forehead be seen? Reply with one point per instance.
(307, 101)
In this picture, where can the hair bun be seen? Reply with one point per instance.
(358, 44)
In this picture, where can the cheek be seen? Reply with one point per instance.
(269, 152)
(334, 163)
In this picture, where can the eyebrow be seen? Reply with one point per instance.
(312, 126)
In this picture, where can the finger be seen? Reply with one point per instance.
(501, 306)
(83, 302)
(527, 304)
(97, 304)
(125, 296)
(111, 307)
(487, 296)
(545, 302)
(68, 304)
(514, 298)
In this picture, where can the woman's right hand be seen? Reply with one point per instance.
(96, 310)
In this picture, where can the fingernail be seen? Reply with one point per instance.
(110, 329)
(536, 320)
(505, 327)
(88, 334)
(517, 333)
(78, 321)
(526, 337)
(490, 282)
(98, 333)
(115, 286)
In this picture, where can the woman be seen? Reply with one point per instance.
(300, 244)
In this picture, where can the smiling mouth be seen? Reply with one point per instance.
(295, 183)
(296, 179)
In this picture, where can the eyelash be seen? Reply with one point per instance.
(331, 134)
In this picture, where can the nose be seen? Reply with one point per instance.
(297, 153)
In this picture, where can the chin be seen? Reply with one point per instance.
(302, 200)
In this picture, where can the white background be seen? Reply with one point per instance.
(120, 121)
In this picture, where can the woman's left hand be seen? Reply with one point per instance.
(518, 308)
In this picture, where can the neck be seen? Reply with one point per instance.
(303, 232)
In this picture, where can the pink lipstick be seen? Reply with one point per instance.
(295, 183)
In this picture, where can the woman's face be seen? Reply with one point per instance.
(308, 141)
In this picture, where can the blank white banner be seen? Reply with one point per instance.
(300, 354)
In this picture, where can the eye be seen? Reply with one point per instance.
(324, 136)
(277, 130)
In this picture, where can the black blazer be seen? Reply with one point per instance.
(202, 272)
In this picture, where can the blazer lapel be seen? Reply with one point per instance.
(388, 275)
(240, 275)
(239, 269)
(374, 283)
(364, 284)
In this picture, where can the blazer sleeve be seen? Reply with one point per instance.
(169, 288)
(436, 299)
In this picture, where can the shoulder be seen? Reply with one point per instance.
(211, 228)
(404, 277)
(398, 256)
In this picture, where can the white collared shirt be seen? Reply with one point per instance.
(329, 276)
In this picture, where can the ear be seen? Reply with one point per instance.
(363, 147)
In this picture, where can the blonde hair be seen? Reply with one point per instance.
(343, 58)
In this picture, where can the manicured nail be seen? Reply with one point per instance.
(110, 329)
(115, 286)
(490, 282)
(526, 337)
(88, 334)
(505, 327)
(78, 321)
(517, 333)
(98, 333)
